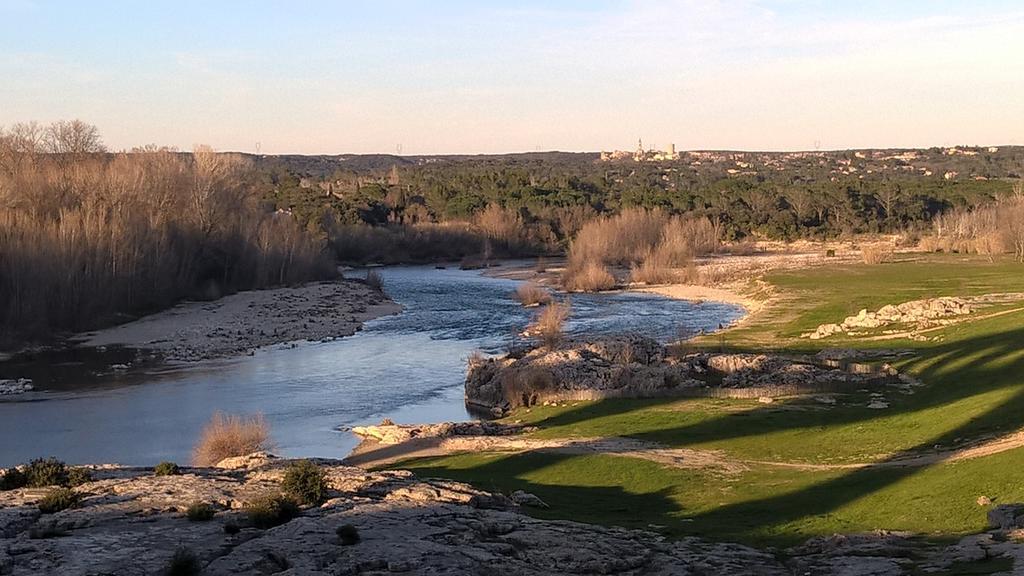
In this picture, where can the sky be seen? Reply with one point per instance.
(437, 76)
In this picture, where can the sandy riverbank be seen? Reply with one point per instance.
(730, 278)
(236, 324)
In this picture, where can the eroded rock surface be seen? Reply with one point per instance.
(131, 522)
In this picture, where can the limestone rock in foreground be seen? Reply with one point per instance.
(390, 433)
(131, 522)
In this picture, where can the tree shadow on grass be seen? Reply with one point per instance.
(597, 497)
(954, 371)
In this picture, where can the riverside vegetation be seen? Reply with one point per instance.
(89, 238)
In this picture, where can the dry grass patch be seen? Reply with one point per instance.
(876, 254)
(549, 325)
(230, 435)
(658, 248)
(532, 294)
(590, 277)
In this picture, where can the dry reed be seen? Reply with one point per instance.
(227, 436)
(876, 253)
(549, 325)
(589, 277)
(530, 294)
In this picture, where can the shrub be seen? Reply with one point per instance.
(651, 271)
(630, 236)
(590, 277)
(13, 479)
(306, 482)
(531, 294)
(199, 512)
(272, 510)
(228, 435)
(79, 476)
(46, 472)
(183, 563)
(876, 254)
(57, 499)
(548, 326)
(347, 534)
(375, 280)
(166, 469)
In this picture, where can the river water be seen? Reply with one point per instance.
(408, 367)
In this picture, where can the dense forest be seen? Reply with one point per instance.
(548, 196)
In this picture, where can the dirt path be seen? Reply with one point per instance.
(375, 455)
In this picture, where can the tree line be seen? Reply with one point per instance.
(552, 198)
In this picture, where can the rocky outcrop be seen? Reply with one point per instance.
(915, 314)
(620, 366)
(131, 523)
(15, 386)
(634, 366)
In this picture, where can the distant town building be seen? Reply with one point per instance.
(641, 154)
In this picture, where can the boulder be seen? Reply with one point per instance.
(1006, 516)
(526, 499)
(247, 462)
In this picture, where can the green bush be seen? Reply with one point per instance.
(13, 479)
(306, 482)
(347, 534)
(183, 563)
(166, 469)
(272, 510)
(199, 512)
(43, 472)
(79, 476)
(58, 499)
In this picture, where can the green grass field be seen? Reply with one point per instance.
(974, 388)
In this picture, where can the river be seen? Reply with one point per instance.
(408, 367)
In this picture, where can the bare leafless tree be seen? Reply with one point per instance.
(72, 137)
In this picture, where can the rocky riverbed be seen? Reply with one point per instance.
(237, 324)
(130, 522)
